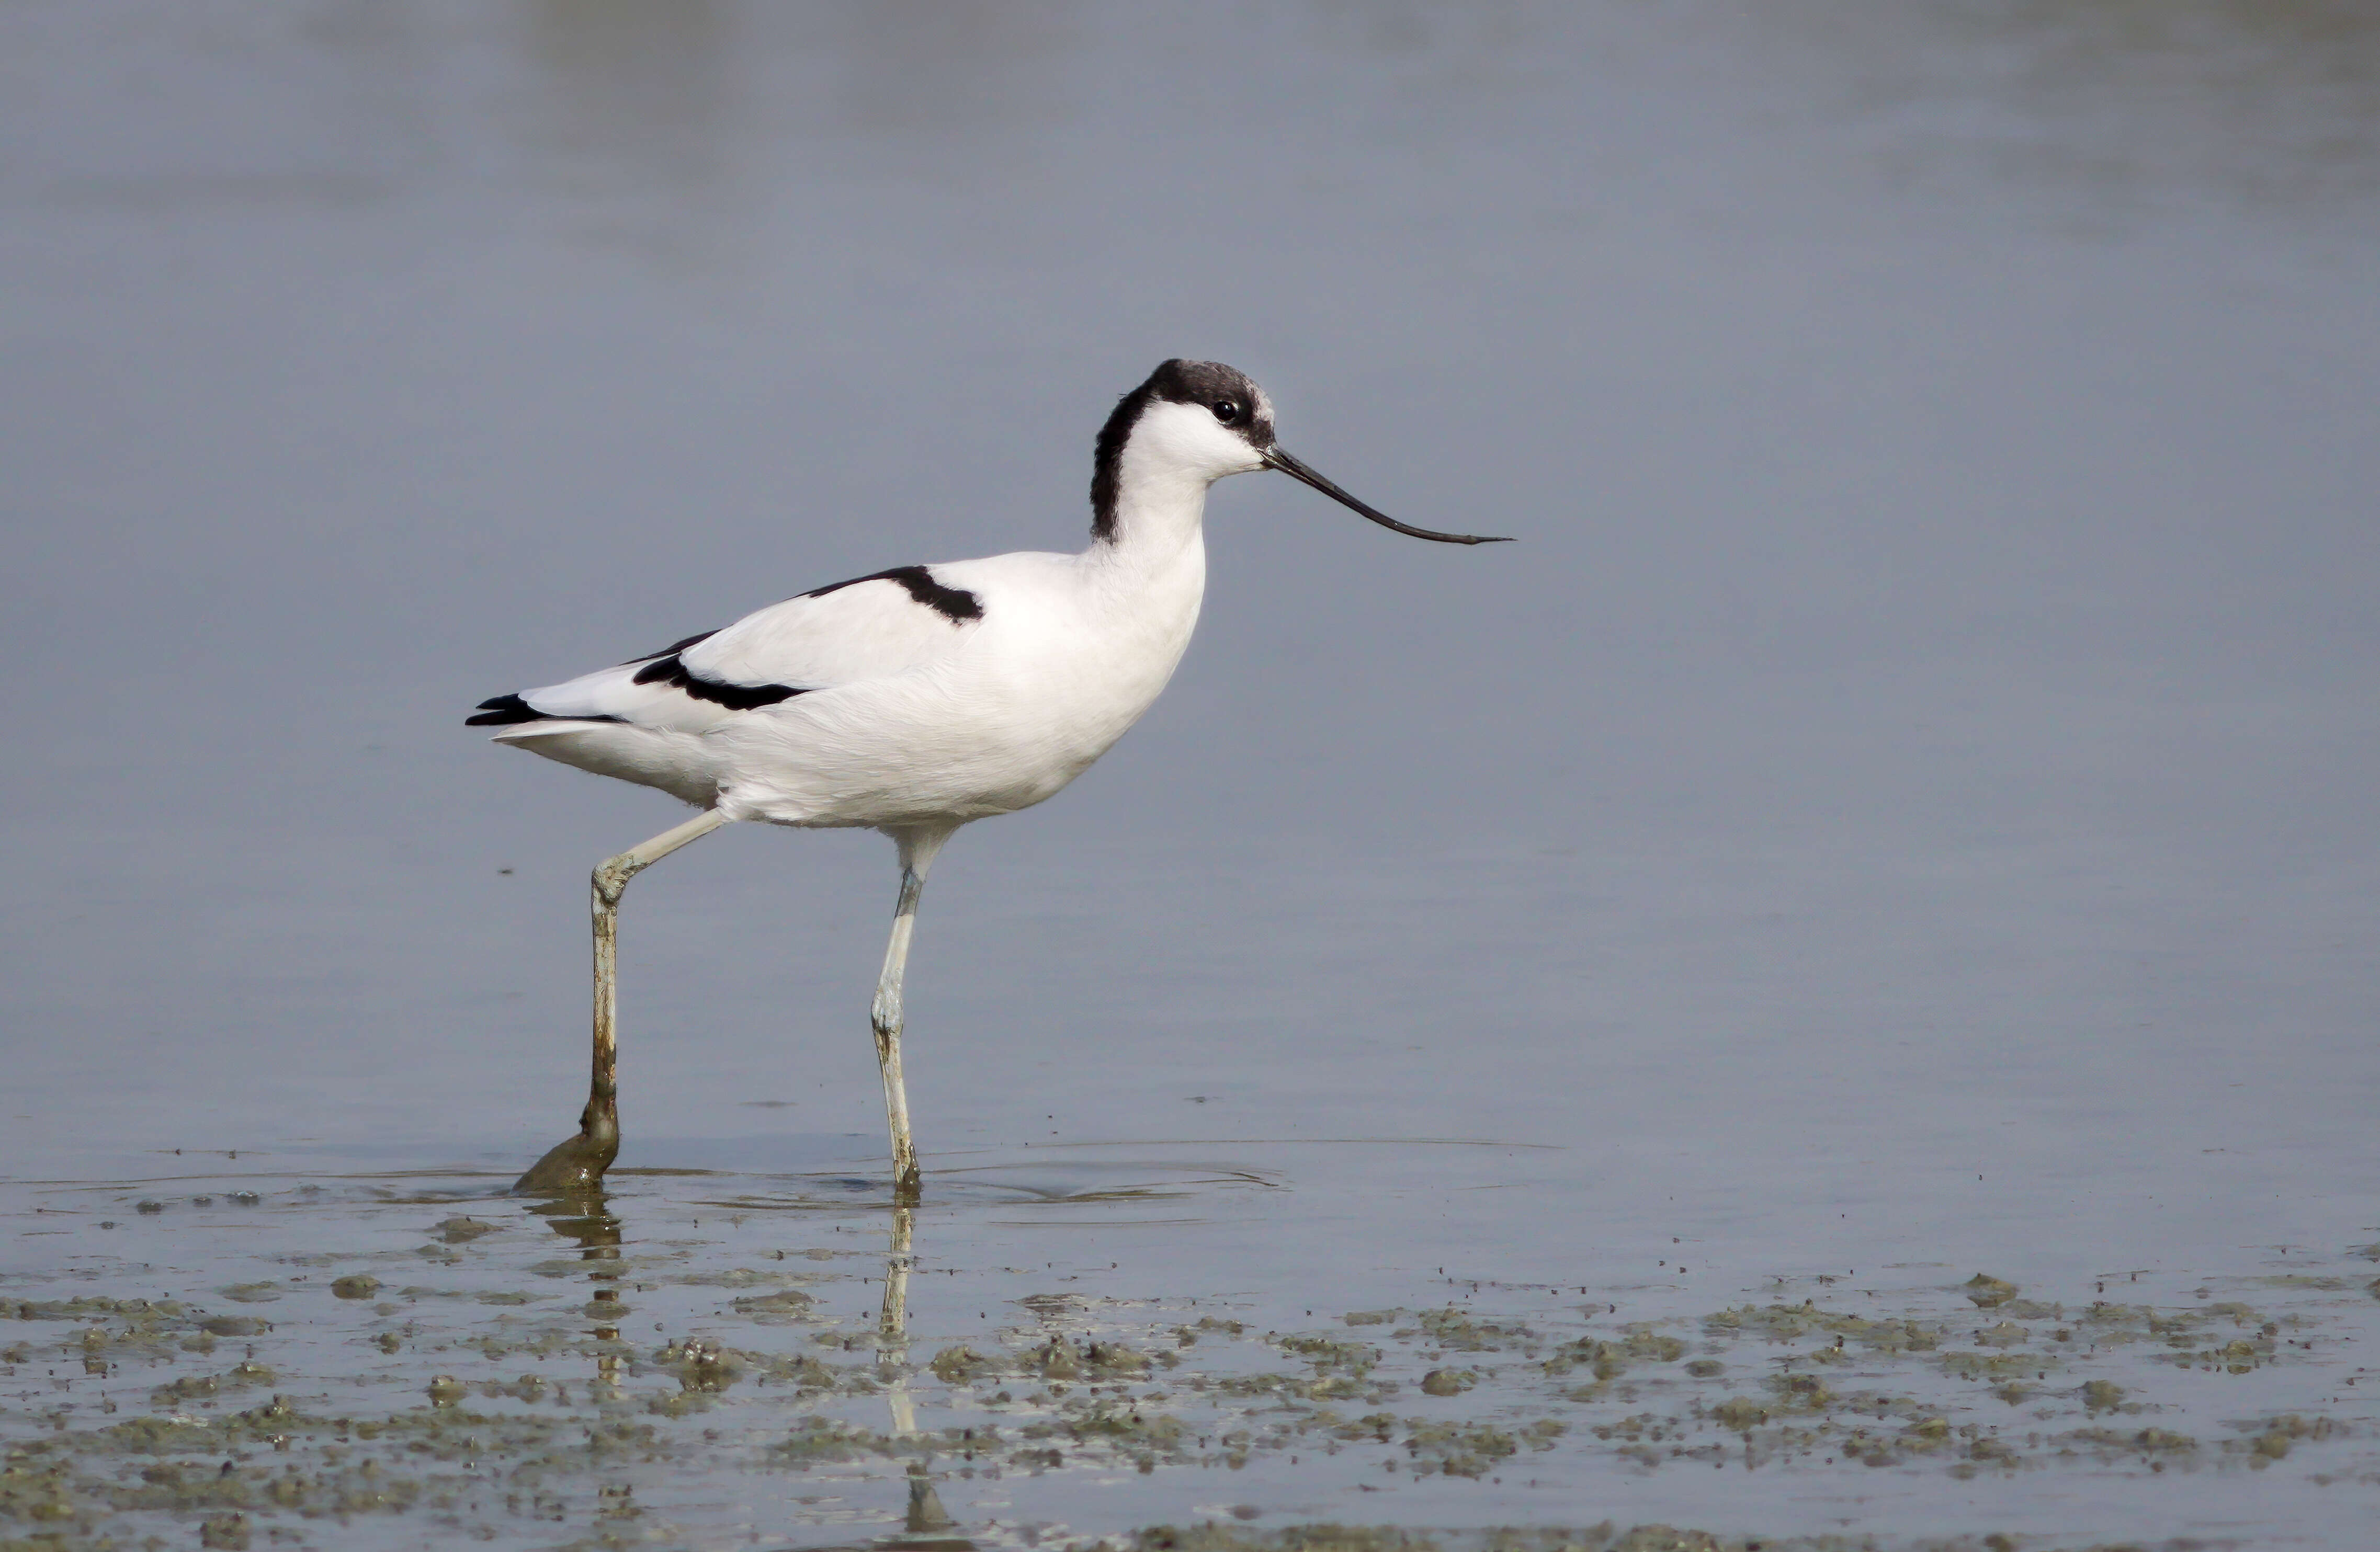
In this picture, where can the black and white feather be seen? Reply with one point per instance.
(931, 695)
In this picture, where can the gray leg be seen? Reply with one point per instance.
(577, 1164)
(919, 848)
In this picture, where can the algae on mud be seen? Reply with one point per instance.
(775, 1384)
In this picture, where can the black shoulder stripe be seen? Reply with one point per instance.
(695, 640)
(954, 604)
(735, 698)
(505, 709)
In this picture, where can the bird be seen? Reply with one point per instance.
(912, 701)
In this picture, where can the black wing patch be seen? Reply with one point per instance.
(954, 604)
(735, 698)
(504, 709)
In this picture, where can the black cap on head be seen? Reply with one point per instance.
(1207, 383)
(1241, 405)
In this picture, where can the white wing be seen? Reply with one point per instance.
(869, 628)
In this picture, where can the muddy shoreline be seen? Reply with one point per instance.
(704, 1359)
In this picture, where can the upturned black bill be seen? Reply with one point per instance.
(1279, 460)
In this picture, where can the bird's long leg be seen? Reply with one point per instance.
(578, 1163)
(919, 848)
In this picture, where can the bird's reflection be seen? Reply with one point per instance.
(893, 1367)
(926, 1515)
(892, 1318)
(924, 1512)
(588, 1221)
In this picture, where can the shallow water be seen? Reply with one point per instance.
(1106, 1338)
(1901, 812)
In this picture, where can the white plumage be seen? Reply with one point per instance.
(917, 699)
(903, 714)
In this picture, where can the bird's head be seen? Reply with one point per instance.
(1198, 421)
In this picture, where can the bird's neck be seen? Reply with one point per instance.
(1160, 512)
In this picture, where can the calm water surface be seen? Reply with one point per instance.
(1902, 811)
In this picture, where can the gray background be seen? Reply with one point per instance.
(1908, 790)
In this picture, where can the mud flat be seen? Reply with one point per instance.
(707, 1359)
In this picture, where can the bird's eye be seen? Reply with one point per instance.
(1227, 410)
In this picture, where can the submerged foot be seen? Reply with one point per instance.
(569, 1169)
(576, 1165)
